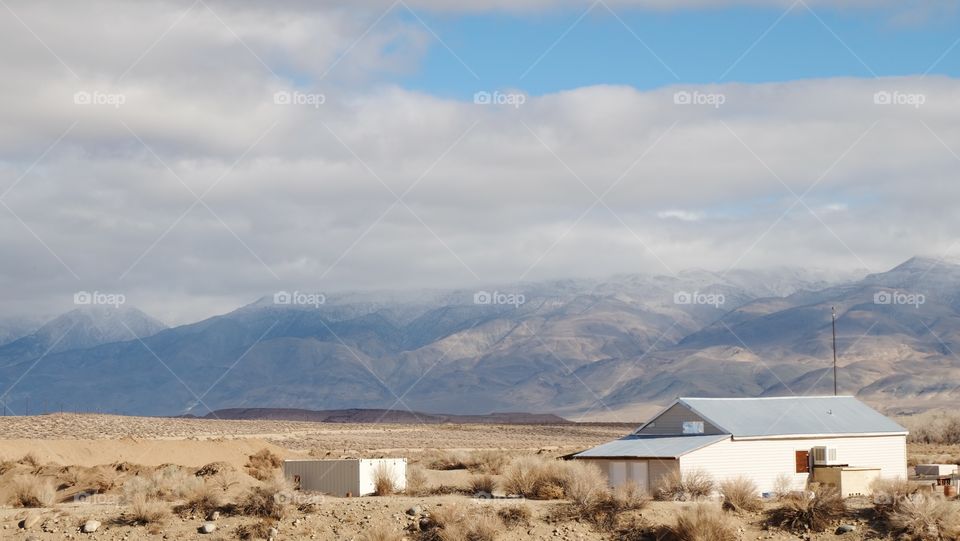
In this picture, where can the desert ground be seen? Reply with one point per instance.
(163, 478)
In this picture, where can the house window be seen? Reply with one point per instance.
(693, 427)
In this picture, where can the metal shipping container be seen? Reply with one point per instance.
(346, 477)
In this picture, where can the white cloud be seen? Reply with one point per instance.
(300, 196)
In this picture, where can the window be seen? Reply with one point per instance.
(693, 427)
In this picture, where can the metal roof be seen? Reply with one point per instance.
(650, 446)
(793, 415)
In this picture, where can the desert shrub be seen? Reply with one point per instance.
(202, 500)
(941, 427)
(489, 461)
(224, 480)
(447, 461)
(740, 495)
(31, 491)
(684, 486)
(585, 483)
(452, 524)
(383, 484)
(924, 517)
(256, 530)
(380, 532)
(886, 493)
(515, 515)
(416, 481)
(782, 486)
(536, 478)
(142, 510)
(268, 500)
(482, 484)
(30, 460)
(604, 512)
(702, 522)
(172, 482)
(799, 512)
(263, 464)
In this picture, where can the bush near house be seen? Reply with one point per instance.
(801, 512)
(685, 486)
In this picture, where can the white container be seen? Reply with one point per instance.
(353, 477)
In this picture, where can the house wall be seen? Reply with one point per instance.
(657, 469)
(764, 460)
(670, 422)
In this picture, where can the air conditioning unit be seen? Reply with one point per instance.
(825, 456)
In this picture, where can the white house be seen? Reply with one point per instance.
(346, 477)
(763, 439)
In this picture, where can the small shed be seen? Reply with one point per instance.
(345, 477)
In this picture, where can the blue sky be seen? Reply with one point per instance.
(698, 46)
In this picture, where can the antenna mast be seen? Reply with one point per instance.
(833, 313)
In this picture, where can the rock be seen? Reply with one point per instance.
(208, 527)
(29, 522)
(415, 510)
(90, 526)
(846, 528)
(214, 515)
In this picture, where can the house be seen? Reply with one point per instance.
(347, 477)
(792, 440)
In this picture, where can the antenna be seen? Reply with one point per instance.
(833, 313)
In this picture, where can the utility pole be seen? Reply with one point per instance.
(833, 313)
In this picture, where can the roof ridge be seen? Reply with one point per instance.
(763, 397)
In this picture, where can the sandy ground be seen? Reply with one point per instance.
(123, 447)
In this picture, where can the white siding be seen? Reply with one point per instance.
(348, 476)
(764, 460)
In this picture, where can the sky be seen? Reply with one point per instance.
(196, 155)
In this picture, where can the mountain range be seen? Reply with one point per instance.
(607, 349)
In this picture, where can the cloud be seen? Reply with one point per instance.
(304, 195)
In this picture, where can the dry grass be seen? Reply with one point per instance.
(920, 517)
(383, 484)
(269, 500)
(537, 478)
(31, 491)
(143, 510)
(886, 493)
(685, 486)
(416, 481)
(782, 486)
(453, 524)
(701, 522)
(481, 485)
(800, 512)
(933, 427)
(256, 530)
(203, 500)
(585, 483)
(263, 464)
(605, 512)
(381, 532)
(489, 461)
(740, 495)
(515, 515)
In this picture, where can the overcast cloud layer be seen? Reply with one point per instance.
(199, 192)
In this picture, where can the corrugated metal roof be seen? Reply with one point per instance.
(795, 415)
(650, 446)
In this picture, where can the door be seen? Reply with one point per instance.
(639, 474)
(803, 461)
(618, 474)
